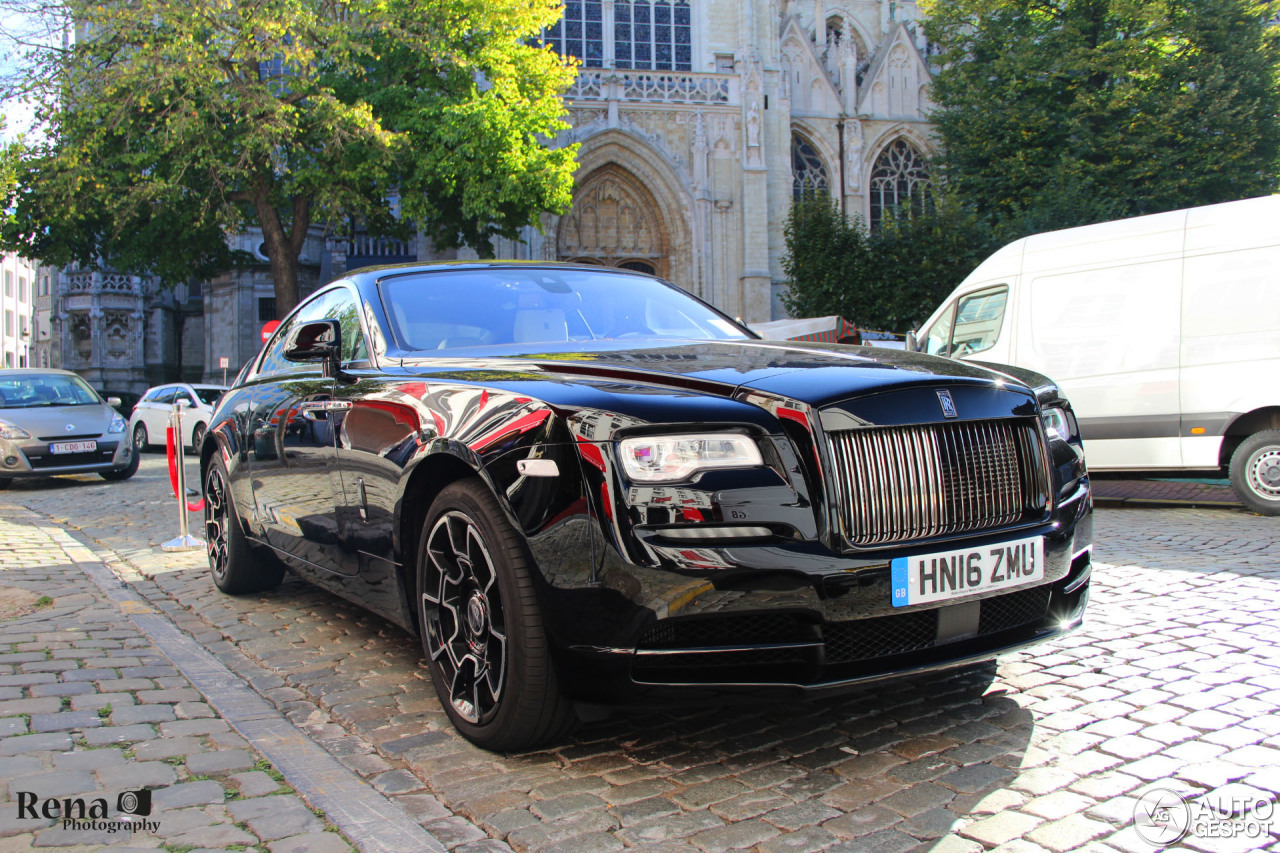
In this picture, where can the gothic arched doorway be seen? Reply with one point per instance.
(614, 222)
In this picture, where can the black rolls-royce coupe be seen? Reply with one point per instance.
(578, 484)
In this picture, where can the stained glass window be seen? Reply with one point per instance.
(900, 180)
(808, 175)
(580, 32)
(653, 34)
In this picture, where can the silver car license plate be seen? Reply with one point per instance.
(73, 447)
(944, 575)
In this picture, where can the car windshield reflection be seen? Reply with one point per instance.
(491, 307)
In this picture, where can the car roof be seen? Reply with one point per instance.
(36, 371)
(384, 270)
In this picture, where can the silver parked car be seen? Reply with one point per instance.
(52, 422)
(151, 414)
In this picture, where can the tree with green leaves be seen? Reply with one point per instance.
(1055, 113)
(889, 279)
(171, 125)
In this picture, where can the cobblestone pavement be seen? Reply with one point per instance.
(90, 708)
(1174, 682)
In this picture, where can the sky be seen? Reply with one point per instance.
(18, 115)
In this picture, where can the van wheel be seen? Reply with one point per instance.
(1255, 472)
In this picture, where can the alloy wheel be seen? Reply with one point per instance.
(216, 519)
(465, 622)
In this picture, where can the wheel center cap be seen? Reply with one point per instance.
(1271, 476)
(477, 614)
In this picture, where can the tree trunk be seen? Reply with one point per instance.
(282, 248)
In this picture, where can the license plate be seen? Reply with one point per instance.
(73, 447)
(944, 575)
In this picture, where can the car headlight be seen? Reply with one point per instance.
(117, 424)
(670, 458)
(1060, 423)
(13, 433)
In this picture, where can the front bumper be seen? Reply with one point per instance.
(21, 459)
(787, 619)
(786, 654)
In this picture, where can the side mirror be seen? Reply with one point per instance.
(913, 345)
(113, 401)
(319, 341)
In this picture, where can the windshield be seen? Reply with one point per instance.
(49, 389)
(470, 308)
(209, 396)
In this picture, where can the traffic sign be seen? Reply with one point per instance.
(224, 362)
(268, 328)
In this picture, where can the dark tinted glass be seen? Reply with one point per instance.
(209, 396)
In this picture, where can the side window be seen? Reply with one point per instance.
(274, 361)
(165, 396)
(937, 341)
(979, 317)
(333, 304)
(344, 308)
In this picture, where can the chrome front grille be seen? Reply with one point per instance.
(918, 482)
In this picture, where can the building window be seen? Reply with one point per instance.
(654, 35)
(641, 34)
(266, 308)
(8, 283)
(580, 32)
(44, 285)
(808, 175)
(899, 181)
(22, 288)
(8, 324)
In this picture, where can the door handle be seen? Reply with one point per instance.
(317, 410)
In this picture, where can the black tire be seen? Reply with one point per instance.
(1255, 472)
(481, 625)
(140, 437)
(127, 471)
(236, 568)
(197, 438)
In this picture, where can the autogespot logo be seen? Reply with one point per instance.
(132, 810)
(1162, 817)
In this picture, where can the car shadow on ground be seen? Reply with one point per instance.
(901, 760)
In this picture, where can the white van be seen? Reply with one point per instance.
(1163, 330)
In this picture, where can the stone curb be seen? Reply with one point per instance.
(370, 821)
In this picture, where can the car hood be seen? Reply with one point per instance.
(61, 422)
(816, 374)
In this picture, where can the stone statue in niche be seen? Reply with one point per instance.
(853, 143)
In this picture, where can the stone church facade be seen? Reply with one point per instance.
(698, 121)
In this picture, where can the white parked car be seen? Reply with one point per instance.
(151, 415)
